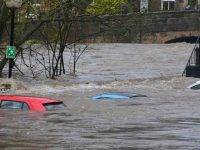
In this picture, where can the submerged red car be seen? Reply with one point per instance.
(28, 103)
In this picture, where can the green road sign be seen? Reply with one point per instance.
(10, 52)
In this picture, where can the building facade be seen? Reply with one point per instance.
(169, 5)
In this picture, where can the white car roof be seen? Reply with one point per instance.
(194, 84)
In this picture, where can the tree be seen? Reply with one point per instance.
(154, 5)
(44, 35)
(52, 26)
(102, 7)
(24, 29)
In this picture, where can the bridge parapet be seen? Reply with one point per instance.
(172, 21)
(159, 21)
(138, 25)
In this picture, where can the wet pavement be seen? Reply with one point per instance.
(168, 118)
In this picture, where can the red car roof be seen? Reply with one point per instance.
(27, 98)
(34, 103)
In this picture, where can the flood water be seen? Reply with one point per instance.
(168, 118)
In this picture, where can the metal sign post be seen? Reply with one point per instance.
(11, 50)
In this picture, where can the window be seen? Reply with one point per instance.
(171, 5)
(165, 5)
(6, 104)
(25, 107)
(54, 106)
(168, 5)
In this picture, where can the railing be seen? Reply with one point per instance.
(192, 59)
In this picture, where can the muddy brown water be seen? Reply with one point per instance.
(168, 118)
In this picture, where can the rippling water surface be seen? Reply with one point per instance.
(168, 118)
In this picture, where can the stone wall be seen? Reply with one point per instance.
(140, 27)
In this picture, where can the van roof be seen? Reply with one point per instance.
(26, 98)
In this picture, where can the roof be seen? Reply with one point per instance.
(27, 98)
(193, 85)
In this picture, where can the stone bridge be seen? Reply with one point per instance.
(157, 27)
(171, 21)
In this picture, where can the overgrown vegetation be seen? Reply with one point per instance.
(102, 7)
(52, 35)
(48, 31)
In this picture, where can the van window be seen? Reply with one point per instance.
(54, 105)
(25, 107)
(5, 104)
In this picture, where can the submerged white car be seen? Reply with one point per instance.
(195, 86)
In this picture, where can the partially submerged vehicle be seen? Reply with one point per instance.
(195, 86)
(29, 103)
(116, 96)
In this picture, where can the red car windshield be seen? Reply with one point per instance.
(54, 105)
